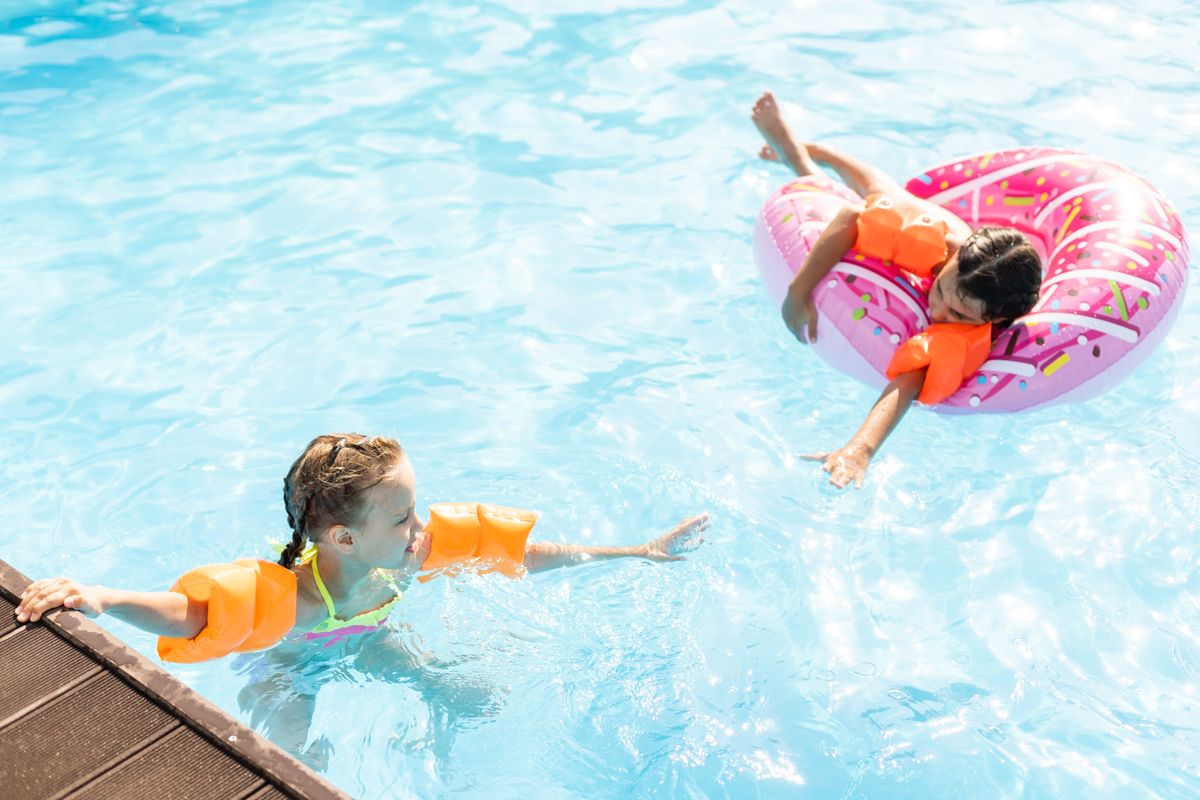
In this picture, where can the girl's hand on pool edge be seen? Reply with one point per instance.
(849, 464)
(45, 595)
(685, 535)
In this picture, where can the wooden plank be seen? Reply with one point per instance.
(267, 793)
(8, 616)
(64, 742)
(36, 664)
(181, 766)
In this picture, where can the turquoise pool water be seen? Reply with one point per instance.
(517, 237)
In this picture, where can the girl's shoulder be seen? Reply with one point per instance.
(310, 607)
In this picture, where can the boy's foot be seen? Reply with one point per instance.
(780, 144)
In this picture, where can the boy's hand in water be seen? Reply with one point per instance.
(50, 593)
(844, 466)
(800, 315)
(685, 535)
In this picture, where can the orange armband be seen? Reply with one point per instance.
(915, 242)
(492, 536)
(952, 351)
(251, 605)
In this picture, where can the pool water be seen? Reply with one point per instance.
(517, 237)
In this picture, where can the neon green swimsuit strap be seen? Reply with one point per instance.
(365, 619)
(321, 588)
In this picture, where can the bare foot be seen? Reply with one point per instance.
(684, 536)
(780, 144)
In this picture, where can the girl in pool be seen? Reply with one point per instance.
(354, 498)
(991, 275)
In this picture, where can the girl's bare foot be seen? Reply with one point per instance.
(780, 144)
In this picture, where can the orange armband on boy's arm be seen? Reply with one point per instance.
(916, 242)
(493, 537)
(952, 351)
(251, 605)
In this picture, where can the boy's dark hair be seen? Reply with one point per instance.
(999, 267)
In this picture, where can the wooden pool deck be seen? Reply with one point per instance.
(83, 715)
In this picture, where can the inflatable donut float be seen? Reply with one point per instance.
(1113, 251)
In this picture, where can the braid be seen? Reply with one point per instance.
(292, 551)
(296, 522)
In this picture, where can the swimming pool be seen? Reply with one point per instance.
(517, 237)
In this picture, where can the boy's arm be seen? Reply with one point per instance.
(850, 462)
(541, 556)
(831, 246)
(860, 176)
(162, 613)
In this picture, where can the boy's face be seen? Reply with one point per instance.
(946, 304)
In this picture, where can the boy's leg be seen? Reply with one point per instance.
(803, 158)
(863, 178)
(781, 145)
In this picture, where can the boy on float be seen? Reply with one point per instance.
(991, 275)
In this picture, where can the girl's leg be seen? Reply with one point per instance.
(281, 703)
(284, 716)
(781, 145)
(455, 699)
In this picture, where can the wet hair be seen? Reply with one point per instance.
(999, 267)
(326, 483)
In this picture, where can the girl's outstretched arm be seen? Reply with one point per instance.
(161, 613)
(850, 462)
(540, 556)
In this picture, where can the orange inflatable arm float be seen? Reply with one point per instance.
(914, 241)
(952, 351)
(251, 605)
(492, 536)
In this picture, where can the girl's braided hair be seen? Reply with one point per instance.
(326, 483)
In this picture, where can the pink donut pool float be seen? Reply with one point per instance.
(1113, 252)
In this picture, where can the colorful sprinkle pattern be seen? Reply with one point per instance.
(1114, 250)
